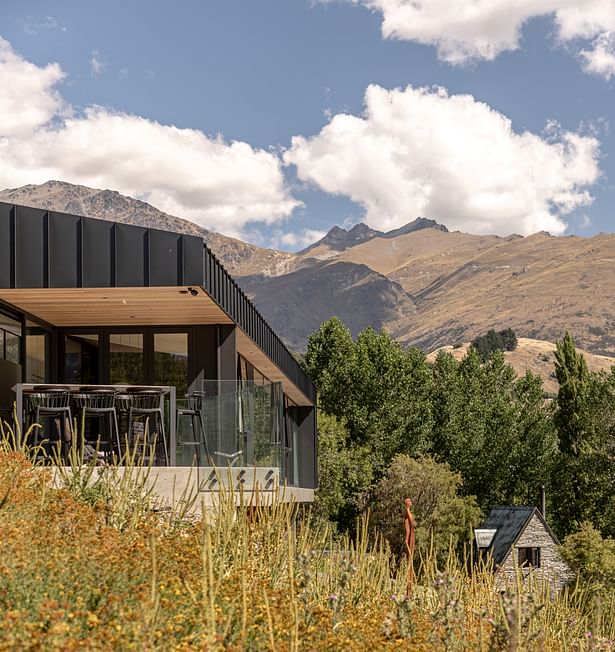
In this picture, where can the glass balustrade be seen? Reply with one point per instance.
(233, 424)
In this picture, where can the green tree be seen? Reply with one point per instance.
(380, 390)
(443, 517)
(592, 558)
(344, 472)
(509, 339)
(486, 345)
(328, 361)
(390, 407)
(491, 427)
(585, 421)
(571, 405)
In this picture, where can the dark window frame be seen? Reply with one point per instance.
(19, 317)
(529, 556)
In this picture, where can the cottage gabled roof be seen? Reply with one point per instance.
(509, 523)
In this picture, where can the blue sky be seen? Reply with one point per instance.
(262, 72)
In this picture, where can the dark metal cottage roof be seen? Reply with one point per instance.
(47, 249)
(509, 523)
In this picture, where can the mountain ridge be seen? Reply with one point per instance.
(427, 286)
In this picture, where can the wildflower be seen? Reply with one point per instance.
(93, 620)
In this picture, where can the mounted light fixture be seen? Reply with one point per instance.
(193, 292)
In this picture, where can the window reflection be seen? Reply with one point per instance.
(10, 339)
(171, 360)
(81, 359)
(126, 359)
(36, 358)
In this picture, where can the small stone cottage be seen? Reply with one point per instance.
(520, 536)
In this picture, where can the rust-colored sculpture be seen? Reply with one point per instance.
(409, 526)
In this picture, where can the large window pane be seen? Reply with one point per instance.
(171, 361)
(126, 359)
(81, 359)
(35, 358)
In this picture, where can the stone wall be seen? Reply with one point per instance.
(552, 567)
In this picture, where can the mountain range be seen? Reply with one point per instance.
(427, 286)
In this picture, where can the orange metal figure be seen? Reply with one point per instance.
(409, 526)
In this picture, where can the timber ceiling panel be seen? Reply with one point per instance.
(152, 306)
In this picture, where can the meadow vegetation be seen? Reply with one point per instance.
(74, 575)
(89, 561)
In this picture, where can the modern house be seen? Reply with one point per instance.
(87, 302)
(519, 537)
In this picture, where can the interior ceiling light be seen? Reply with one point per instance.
(193, 292)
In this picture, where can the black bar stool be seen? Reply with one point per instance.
(199, 435)
(123, 401)
(98, 403)
(53, 403)
(149, 402)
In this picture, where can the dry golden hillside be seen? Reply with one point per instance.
(536, 356)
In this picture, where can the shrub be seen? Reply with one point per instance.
(443, 518)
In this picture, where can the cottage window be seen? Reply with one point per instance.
(529, 557)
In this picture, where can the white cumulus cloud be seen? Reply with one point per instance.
(600, 58)
(217, 184)
(27, 96)
(466, 30)
(423, 152)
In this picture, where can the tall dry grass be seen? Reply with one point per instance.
(102, 570)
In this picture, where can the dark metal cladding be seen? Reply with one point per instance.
(97, 254)
(305, 418)
(164, 250)
(6, 246)
(63, 238)
(130, 256)
(193, 252)
(30, 248)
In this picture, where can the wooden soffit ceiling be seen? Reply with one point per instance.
(140, 306)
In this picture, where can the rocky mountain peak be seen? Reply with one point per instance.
(416, 225)
(338, 239)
